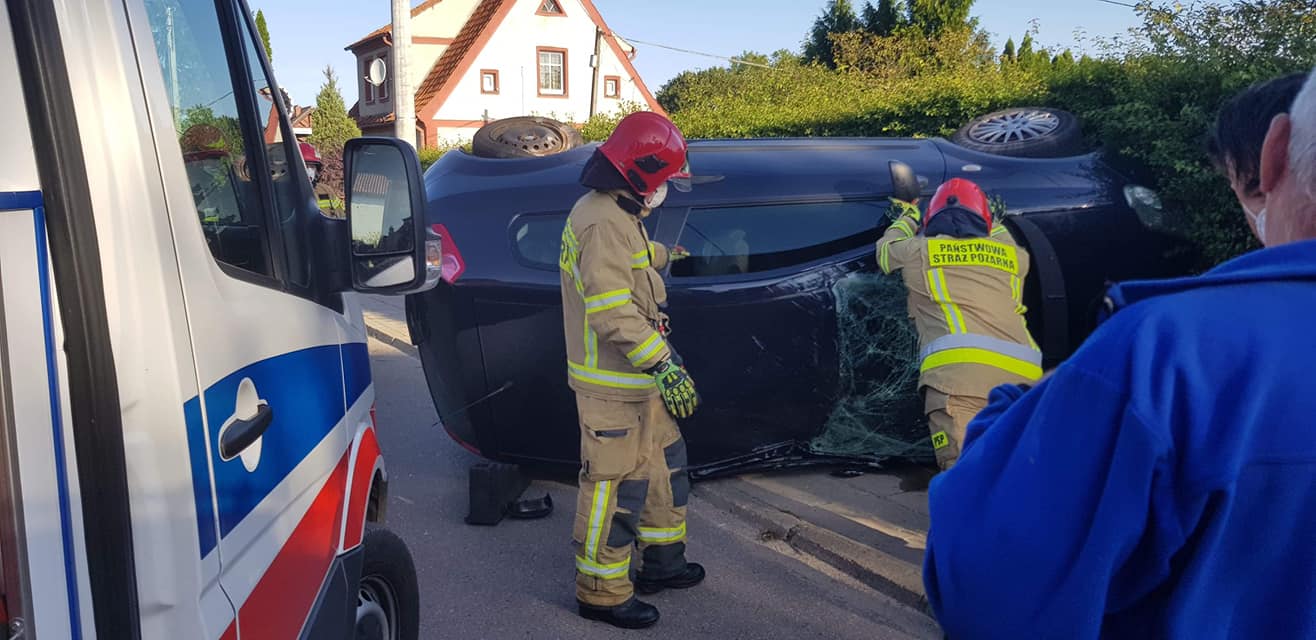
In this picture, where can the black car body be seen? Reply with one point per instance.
(800, 350)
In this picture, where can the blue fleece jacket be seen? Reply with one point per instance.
(1160, 484)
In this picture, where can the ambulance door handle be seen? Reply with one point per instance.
(242, 433)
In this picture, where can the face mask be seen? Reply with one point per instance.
(310, 173)
(1258, 220)
(656, 199)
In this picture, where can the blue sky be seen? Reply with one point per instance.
(306, 38)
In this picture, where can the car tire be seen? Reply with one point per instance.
(1024, 132)
(388, 597)
(524, 137)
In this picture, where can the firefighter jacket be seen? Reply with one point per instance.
(966, 299)
(611, 292)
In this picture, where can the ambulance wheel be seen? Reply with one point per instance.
(524, 137)
(388, 599)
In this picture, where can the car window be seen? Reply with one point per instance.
(276, 139)
(208, 122)
(737, 240)
(207, 99)
(537, 238)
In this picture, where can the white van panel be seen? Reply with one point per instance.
(18, 167)
(179, 592)
(46, 525)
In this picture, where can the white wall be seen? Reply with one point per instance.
(512, 51)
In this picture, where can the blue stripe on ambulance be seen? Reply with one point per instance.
(306, 391)
(33, 201)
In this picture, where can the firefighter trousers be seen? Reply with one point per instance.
(948, 417)
(633, 494)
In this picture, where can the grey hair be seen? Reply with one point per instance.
(1302, 138)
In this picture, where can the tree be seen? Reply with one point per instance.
(838, 17)
(1026, 53)
(331, 129)
(1008, 54)
(264, 32)
(883, 19)
(935, 16)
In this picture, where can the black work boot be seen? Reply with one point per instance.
(631, 614)
(693, 575)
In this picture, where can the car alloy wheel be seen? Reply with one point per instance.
(1014, 126)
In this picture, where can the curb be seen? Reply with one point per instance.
(401, 343)
(882, 572)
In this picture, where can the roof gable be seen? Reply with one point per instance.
(459, 55)
(486, 18)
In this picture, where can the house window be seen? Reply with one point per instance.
(611, 86)
(550, 8)
(552, 72)
(489, 81)
(368, 90)
(373, 93)
(381, 92)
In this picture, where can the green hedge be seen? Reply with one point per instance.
(1148, 99)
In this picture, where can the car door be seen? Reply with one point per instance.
(273, 361)
(524, 352)
(762, 313)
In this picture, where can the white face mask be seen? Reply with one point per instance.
(1259, 221)
(656, 199)
(310, 173)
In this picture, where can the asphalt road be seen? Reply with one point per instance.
(515, 580)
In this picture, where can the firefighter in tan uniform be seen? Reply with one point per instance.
(965, 280)
(629, 383)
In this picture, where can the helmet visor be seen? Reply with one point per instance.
(682, 180)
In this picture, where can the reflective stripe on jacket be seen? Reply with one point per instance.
(611, 294)
(966, 299)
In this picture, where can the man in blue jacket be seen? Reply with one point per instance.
(1161, 483)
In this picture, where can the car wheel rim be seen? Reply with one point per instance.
(376, 610)
(533, 138)
(1015, 126)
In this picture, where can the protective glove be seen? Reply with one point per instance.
(677, 252)
(677, 388)
(902, 208)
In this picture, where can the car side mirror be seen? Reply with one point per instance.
(904, 182)
(392, 248)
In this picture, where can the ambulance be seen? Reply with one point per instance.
(188, 444)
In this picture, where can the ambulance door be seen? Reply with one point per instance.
(269, 352)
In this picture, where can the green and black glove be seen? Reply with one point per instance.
(902, 209)
(677, 387)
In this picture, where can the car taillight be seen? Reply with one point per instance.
(453, 264)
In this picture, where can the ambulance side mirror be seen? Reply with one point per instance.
(904, 182)
(392, 250)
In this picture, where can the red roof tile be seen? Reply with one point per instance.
(447, 64)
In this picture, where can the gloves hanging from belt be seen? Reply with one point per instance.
(678, 389)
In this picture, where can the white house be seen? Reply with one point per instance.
(473, 61)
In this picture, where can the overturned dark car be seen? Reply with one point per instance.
(802, 351)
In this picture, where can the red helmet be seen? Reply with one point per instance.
(963, 195)
(309, 154)
(648, 150)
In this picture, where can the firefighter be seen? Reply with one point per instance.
(965, 279)
(628, 381)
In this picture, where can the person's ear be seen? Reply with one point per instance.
(1275, 153)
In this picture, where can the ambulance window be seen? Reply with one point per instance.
(276, 152)
(209, 125)
(736, 240)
